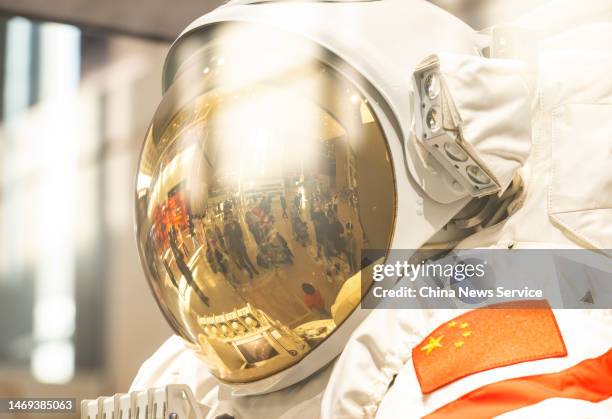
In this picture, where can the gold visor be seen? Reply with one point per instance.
(263, 176)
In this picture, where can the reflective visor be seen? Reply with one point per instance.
(263, 176)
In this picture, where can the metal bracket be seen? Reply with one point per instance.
(438, 128)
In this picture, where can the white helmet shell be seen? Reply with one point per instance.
(275, 158)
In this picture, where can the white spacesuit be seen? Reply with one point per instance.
(294, 135)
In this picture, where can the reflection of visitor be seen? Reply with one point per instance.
(313, 299)
(300, 231)
(210, 258)
(254, 226)
(320, 227)
(283, 202)
(223, 264)
(335, 232)
(219, 234)
(263, 259)
(285, 246)
(297, 201)
(192, 232)
(179, 259)
(278, 248)
(333, 273)
(233, 232)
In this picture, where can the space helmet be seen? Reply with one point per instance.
(282, 150)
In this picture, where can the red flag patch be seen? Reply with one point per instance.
(487, 338)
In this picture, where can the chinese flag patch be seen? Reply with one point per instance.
(487, 338)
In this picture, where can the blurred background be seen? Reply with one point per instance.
(79, 82)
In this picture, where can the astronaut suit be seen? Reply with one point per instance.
(293, 135)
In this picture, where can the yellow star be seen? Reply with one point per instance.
(452, 324)
(466, 333)
(464, 325)
(432, 344)
(459, 344)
